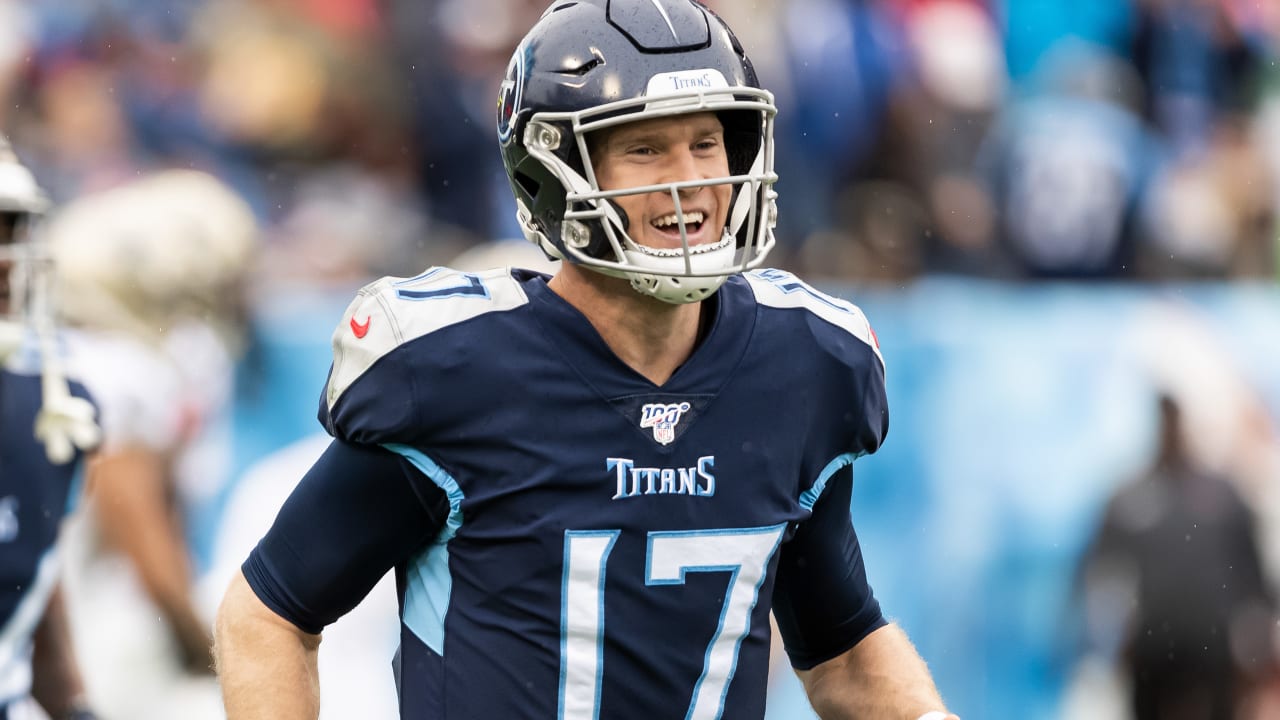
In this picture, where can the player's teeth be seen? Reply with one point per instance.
(689, 219)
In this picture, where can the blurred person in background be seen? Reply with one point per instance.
(16, 41)
(1210, 213)
(1031, 30)
(958, 84)
(1171, 187)
(273, 98)
(841, 67)
(1200, 63)
(1174, 591)
(48, 425)
(292, 91)
(453, 53)
(1068, 163)
(152, 285)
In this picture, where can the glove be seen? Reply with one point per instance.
(64, 423)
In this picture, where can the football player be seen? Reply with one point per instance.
(149, 286)
(594, 487)
(48, 425)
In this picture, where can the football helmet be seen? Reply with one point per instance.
(64, 422)
(588, 65)
(23, 264)
(142, 257)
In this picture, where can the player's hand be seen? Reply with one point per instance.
(65, 423)
(196, 648)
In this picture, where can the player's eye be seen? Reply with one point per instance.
(707, 144)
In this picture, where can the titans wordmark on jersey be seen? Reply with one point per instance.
(611, 545)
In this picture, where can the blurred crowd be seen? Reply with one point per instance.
(1029, 139)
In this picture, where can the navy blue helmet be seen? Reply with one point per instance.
(588, 65)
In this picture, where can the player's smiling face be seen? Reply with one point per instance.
(667, 150)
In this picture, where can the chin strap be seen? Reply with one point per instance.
(65, 422)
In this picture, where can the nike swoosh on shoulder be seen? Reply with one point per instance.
(360, 329)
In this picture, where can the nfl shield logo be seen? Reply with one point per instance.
(662, 417)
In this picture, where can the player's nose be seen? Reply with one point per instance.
(684, 166)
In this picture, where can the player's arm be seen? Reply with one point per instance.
(267, 666)
(882, 677)
(130, 488)
(56, 683)
(852, 662)
(359, 511)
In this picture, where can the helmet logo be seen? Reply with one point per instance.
(509, 95)
(360, 329)
(662, 417)
(688, 81)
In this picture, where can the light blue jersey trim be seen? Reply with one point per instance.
(429, 584)
(75, 493)
(16, 634)
(809, 497)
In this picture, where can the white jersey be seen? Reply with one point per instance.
(168, 400)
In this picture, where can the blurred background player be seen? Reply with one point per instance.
(152, 286)
(1175, 592)
(47, 424)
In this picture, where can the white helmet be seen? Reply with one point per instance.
(23, 263)
(64, 422)
(142, 257)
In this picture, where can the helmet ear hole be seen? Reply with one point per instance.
(742, 136)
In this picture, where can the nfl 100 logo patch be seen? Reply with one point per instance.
(663, 418)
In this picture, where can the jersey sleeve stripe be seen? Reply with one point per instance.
(442, 479)
(809, 497)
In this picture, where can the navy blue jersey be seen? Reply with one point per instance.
(609, 548)
(35, 495)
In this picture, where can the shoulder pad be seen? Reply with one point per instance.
(393, 311)
(781, 289)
